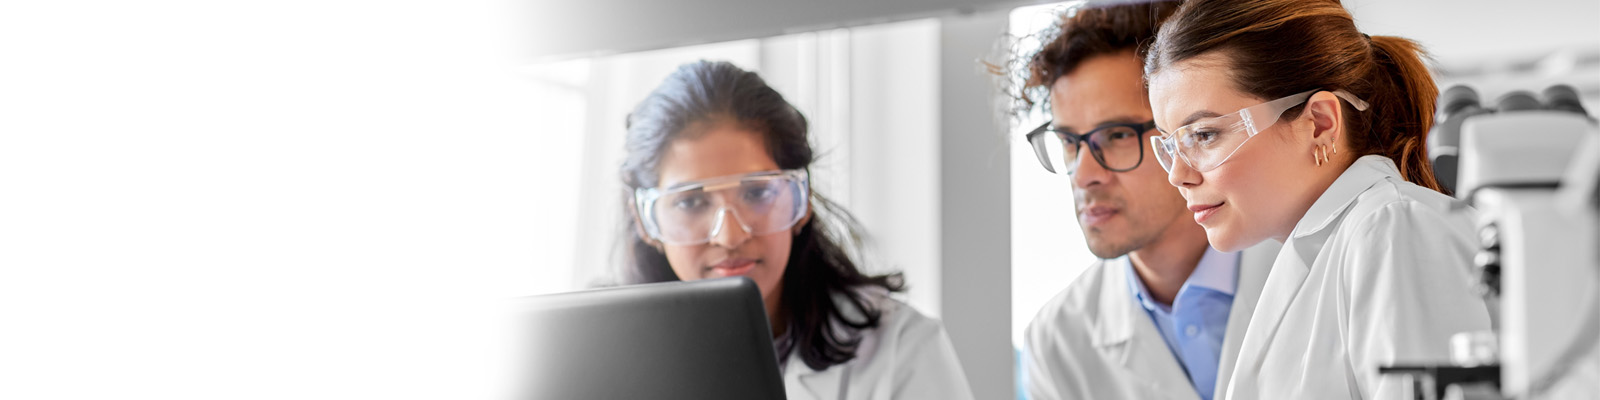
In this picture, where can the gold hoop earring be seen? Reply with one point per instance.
(1316, 156)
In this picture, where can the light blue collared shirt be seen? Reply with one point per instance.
(1194, 324)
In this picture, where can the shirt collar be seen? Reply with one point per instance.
(1365, 172)
(1216, 271)
(1141, 294)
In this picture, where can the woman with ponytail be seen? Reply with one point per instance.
(1280, 120)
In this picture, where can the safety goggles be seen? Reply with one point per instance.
(1117, 147)
(694, 212)
(1206, 144)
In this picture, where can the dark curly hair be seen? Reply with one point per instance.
(819, 267)
(1079, 34)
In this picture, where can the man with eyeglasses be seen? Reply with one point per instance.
(1161, 315)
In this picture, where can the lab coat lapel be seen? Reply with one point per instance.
(1294, 261)
(1254, 264)
(1127, 335)
(1283, 283)
(812, 385)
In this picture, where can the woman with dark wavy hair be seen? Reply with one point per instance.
(718, 186)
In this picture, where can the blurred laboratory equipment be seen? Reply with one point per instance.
(1530, 165)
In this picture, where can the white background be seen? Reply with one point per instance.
(290, 199)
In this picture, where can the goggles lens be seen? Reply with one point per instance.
(1206, 144)
(695, 212)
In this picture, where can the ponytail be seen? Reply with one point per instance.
(1276, 48)
(1402, 102)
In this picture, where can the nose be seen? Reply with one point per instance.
(729, 231)
(1182, 175)
(1089, 171)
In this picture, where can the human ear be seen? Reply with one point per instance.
(795, 231)
(1327, 118)
(1327, 125)
(638, 227)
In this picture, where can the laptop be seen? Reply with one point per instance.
(705, 339)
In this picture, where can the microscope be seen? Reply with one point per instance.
(1530, 166)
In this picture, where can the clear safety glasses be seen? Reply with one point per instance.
(1206, 144)
(693, 213)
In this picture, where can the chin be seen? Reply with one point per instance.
(1105, 249)
(1225, 240)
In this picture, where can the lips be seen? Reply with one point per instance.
(1204, 212)
(1097, 215)
(731, 267)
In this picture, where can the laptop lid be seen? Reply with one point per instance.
(676, 340)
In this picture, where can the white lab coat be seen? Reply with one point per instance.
(1375, 273)
(908, 356)
(1093, 341)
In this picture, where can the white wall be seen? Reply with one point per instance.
(974, 206)
(1483, 30)
(1496, 46)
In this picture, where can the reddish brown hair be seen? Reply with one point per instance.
(1276, 48)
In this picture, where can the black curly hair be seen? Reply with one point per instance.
(1080, 33)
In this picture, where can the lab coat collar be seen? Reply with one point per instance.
(1116, 325)
(829, 383)
(1365, 172)
(813, 384)
(1294, 261)
(1126, 334)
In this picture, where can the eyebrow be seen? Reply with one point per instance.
(670, 185)
(1123, 119)
(676, 185)
(1196, 116)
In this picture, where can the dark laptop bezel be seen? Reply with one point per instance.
(673, 340)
